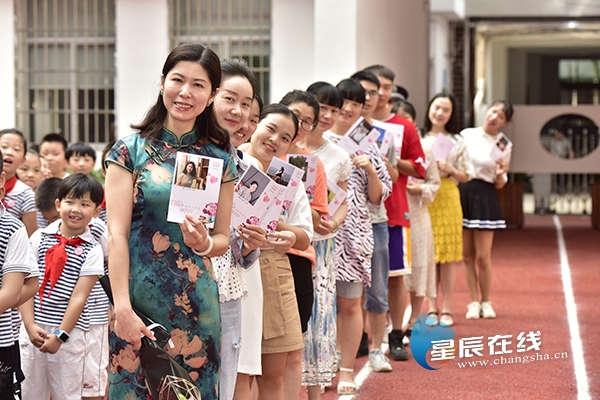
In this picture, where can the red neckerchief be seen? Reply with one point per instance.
(9, 185)
(56, 258)
(103, 204)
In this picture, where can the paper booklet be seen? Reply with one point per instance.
(395, 130)
(287, 176)
(335, 197)
(255, 194)
(502, 148)
(384, 141)
(359, 137)
(441, 147)
(195, 188)
(309, 165)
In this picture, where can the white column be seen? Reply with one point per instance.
(142, 45)
(292, 60)
(394, 33)
(335, 41)
(7, 66)
(438, 55)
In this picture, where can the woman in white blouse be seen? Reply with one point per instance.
(482, 214)
(454, 165)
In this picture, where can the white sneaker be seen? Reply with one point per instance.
(474, 310)
(378, 361)
(487, 311)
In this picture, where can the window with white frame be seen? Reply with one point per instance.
(232, 28)
(66, 69)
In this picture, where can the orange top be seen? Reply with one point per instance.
(319, 203)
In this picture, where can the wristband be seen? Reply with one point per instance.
(336, 226)
(209, 248)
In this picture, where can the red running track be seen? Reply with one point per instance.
(527, 296)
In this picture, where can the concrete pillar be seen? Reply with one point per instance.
(8, 65)
(141, 50)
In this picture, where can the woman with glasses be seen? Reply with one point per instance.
(369, 183)
(319, 353)
(306, 108)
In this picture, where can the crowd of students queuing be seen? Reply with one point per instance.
(250, 312)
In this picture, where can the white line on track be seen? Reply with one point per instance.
(362, 376)
(583, 390)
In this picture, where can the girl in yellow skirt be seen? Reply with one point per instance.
(446, 213)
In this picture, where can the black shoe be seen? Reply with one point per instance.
(363, 348)
(397, 350)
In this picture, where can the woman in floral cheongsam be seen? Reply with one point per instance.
(158, 267)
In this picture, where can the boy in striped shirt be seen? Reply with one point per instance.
(70, 260)
(15, 263)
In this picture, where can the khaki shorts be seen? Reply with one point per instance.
(281, 320)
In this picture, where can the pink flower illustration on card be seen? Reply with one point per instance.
(310, 189)
(294, 183)
(278, 202)
(287, 204)
(210, 209)
(213, 179)
(253, 220)
(266, 198)
(272, 226)
(326, 217)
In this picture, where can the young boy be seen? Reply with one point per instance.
(410, 164)
(18, 197)
(81, 158)
(95, 374)
(15, 264)
(53, 150)
(45, 198)
(70, 260)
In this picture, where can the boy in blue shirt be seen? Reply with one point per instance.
(70, 260)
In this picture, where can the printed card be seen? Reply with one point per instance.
(384, 141)
(195, 188)
(288, 176)
(335, 196)
(308, 164)
(396, 132)
(441, 147)
(502, 148)
(255, 193)
(359, 137)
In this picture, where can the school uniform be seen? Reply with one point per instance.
(60, 375)
(15, 257)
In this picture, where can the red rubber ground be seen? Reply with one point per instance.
(527, 296)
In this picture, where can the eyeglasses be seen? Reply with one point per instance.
(307, 126)
(373, 93)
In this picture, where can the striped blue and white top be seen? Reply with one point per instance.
(20, 200)
(97, 303)
(15, 256)
(86, 259)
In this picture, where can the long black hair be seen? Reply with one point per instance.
(206, 124)
(452, 124)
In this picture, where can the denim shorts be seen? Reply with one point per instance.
(377, 294)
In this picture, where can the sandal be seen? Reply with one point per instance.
(346, 388)
(432, 317)
(447, 319)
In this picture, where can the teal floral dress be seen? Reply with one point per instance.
(168, 282)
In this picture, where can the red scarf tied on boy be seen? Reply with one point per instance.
(56, 258)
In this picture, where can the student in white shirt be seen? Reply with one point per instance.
(482, 214)
(70, 260)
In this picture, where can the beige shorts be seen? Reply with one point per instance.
(95, 373)
(281, 320)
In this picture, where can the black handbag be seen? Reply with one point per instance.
(165, 378)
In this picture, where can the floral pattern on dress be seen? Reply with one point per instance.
(168, 282)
